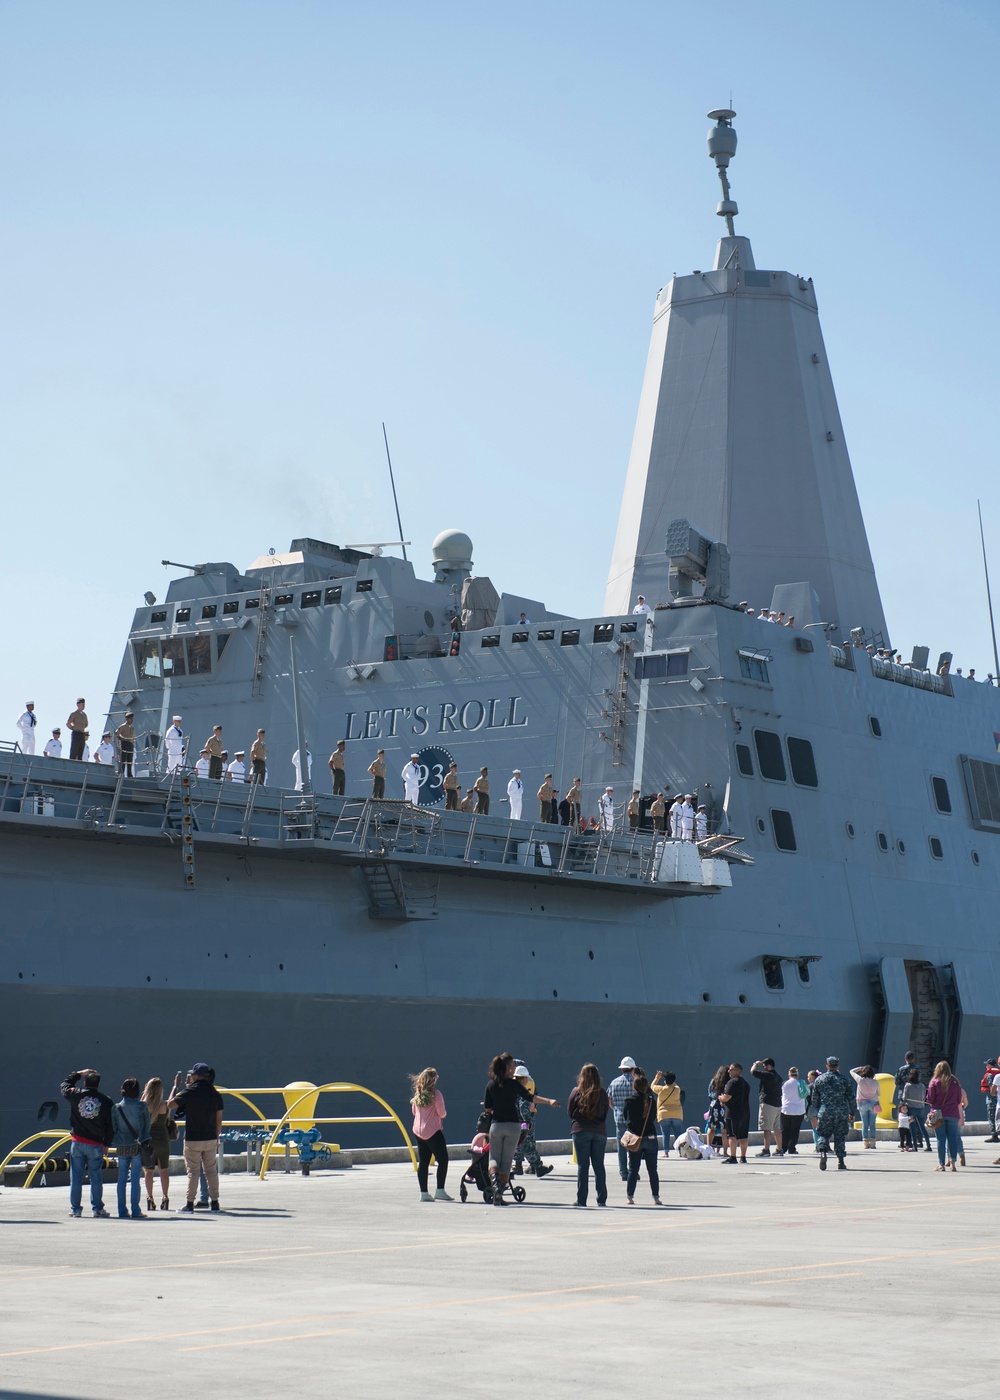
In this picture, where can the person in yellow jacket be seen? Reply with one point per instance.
(669, 1107)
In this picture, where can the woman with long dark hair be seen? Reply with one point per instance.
(715, 1120)
(588, 1107)
(639, 1112)
(500, 1102)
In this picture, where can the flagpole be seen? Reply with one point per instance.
(989, 598)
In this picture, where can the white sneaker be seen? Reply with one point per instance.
(426, 1196)
(442, 1195)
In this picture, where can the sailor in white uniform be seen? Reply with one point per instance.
(26, 724)
(237, 770)
(202, 766)
(641, 606)
(175, 744)
(675, 817)
(53, 749)
(701, 823)
(515, 791)
(606, 809)
(298, 770)
(411, 780)
(687, 818)
(105, 751)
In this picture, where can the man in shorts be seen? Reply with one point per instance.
(769, 1112)
(736, 1099)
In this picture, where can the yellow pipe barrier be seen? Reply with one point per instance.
(56, 1138)
(336, 1088)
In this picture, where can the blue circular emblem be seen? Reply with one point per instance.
(434, 764)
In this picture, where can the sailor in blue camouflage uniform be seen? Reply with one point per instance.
(832, 1101)
(528, 1148)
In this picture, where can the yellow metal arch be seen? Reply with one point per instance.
(239, 1094)
(53, 1137)
(337, 1088)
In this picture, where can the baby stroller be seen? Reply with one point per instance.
(477, 1175)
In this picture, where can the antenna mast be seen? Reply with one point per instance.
(989, 599)
(722, 148)
(392, 483)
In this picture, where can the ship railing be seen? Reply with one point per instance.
(909, 675)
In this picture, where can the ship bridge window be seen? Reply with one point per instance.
(173, 657)
(627, 626)
(333, 595)
(942, 797)
(492, 639)
(364, 585)
(182, 615)
(784, 832)
(199, 655)
(519, 636)
(744, 760)
(160, 616)
(937, 850)
(569, 638)
(210, 610)
(232, 605)
(251, 603)
(147, 660)
(803, 765)
(604, 632)
(656, 665)
(546, 634)
(312, 599)
(283, 600)
(753, 666)
(770, 759)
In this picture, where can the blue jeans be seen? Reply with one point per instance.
(647, 1154)
(669, 1128)
(125, 1164)
(91, 1155)
(869, 1112)
(948, 1133)
(918, 1127)
(590, 1150)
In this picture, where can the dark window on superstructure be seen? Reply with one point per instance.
(604, 632)
(282, 600)
(883, 841)
(626, 627)
(160, 616)
(173, 656)
(364, 585)
(942, 797)
(519, 636)
(802, 763)
(220, 642)
(333, 595)
(784, 832)
(774, 974)
(546, 634)
(147, 660)
(182, 615)
(313, 598)
(770, 759)
(491, 640)
(209, 609)
(753, 668)
(199, 654)
(251, 603)
(232, 605)
(570, 637)
(744, 760)
(803, 967)
(937, 850)
(657, 665)
(874, 726)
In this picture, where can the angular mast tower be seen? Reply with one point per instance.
(738, 431)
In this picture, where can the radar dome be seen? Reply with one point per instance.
(452, 553)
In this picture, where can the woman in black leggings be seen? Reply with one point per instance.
(428, 1115)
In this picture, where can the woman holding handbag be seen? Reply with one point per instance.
(160, 1136)
(131, 1122)
(944, 1094)
(868, 1101)
(639, 1139)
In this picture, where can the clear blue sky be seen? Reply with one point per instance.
(237, 236)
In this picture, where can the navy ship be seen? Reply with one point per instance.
(840, 902)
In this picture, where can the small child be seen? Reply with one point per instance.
(904, 1120)
(480, 1143)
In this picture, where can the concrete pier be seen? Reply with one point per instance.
(343, 1283)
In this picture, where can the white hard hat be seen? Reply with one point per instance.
(627, 1063)
(522, 1072)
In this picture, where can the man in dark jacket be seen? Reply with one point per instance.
(200, 1105)
(91, 1128)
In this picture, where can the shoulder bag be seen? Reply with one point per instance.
(632, 1142)
(145, 1146)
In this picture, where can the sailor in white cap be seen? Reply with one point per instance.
(606, 808)
(237, 770)
(105, 751)
(676, 807)
(26, 725)
(175, 745)
(515, 791)
(687, 817)
(701, 823)
(53, 749)
(641, 606)
(411, 780)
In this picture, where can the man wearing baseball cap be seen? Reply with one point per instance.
(200, 1105)
(832, 1099)
(618, 1091)
(989, 1090)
